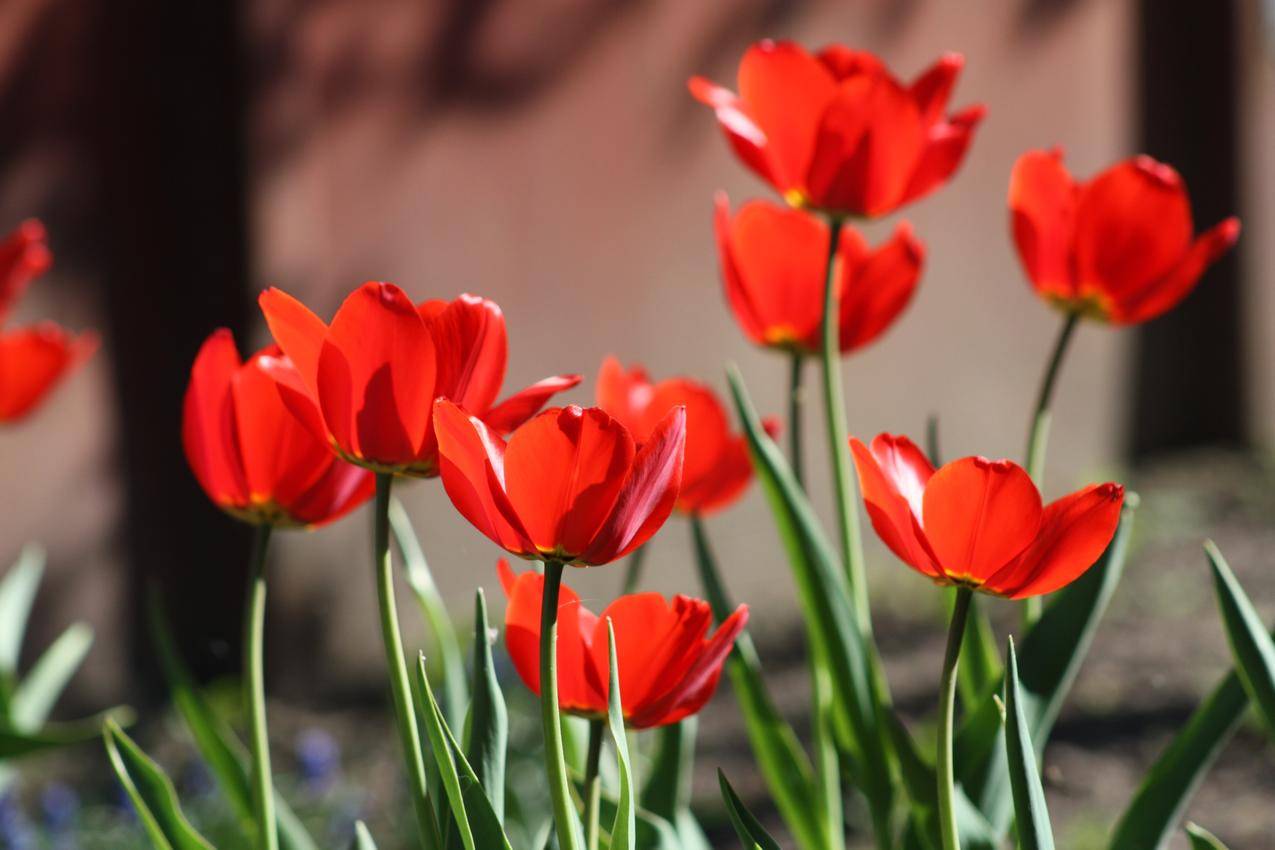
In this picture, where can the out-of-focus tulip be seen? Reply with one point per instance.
(836, 131)
(773, 269)
(1119, 247)
(717, 468)
(253, 458)
(979, 523)
(24, 256)
(669, 664)
(569, 486)
(367, 383)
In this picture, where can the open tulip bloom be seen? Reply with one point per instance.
(979, 523)
(836, 131)
(773, 262)
(669, 663)
(367, 383)
(1119, 247)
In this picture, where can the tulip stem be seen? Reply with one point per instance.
(400, 687)
(796, 401)
(1038, 438)
(254, 694)
(593, 785)
(947, 711)
(633, 570)
(838, 434)
(564, 814)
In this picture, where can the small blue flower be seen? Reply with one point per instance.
(318, 759)
(59, 805)
(16, 832)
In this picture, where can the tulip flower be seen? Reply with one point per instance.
(837, 132)
(1118, 247)
(773, 269)
(979, 523)
(253, 458)
(24, 256)
(367, 383)
(569, 486)
(669, 664)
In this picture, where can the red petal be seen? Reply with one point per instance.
(564, 470)
(472, 348)
(1178, 283)
(891, 478)
(526, 403)
(1042, 206)
(978, 514)
(298, 332)
(294, 395)
(945, 147)
(24, 256)
(648, 495)
(625, 395)
(708, 431)
(741, 131)
(1074, 533)
(721, 485)
(842, 62)
(472, 464)
(342, 488)
(932, 89)
(877, 287)
(208, 426)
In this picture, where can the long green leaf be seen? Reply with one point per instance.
(747, 827)
(487, 728)
(623, 831)
(980, 670)
(51, 736)
(1052, 654)
(1251, 644)
(362, 838)
(39, 690)
(152, 793)
(17, 594)
(1031, 814)
(1202, 839)
(830, 615)
(666, 788)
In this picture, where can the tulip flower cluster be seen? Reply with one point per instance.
(331, 414)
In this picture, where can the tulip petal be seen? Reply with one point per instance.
(843, 62)
(526, 403)
(1042, 205)
(722, 484)
(471, 347)
(656, 642)
(1074, 532)
(892, 475)
(878, 287)
(978, 514)
(687, 695)
(1178, 283)
(24, 256)
(737, 125)
(944, 151)
(342, 488)
(933, 89)
(648, 494)
(625, 395)
(207, 419)
(295, 396)
(297, 331)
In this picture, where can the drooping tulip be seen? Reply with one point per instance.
(773, 270)
(570, 485)
(980, 523)
(367, 383)
(253, 457)
(669, 664)
(1118, 247)
(836, 131)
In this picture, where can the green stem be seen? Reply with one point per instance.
(555, 762)
(1038, 439)
(633, 571)
(796, 401)
(947, 712)
(396, 660)
(593, 785)
(838, 435)
(254, 694)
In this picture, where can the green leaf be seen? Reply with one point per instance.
(830, 616)
(37, 693)
(487, 728)
(153, 795)
(1202, 839)
(17, 594)
(783, 763)
(1051, 654)
(747, 827)
(624, 828)
(667, 789)
(480, 828)
(980, 670)
(1251, 644)
(362, 838)
(421, 581)
(51, 736)
(1031, 815)
(222, 751)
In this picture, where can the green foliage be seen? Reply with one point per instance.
(750, 831)
(152, 793)
(623, 830)
(1031, 815)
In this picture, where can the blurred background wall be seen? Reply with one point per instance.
(547, 155)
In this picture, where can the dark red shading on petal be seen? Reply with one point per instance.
(1042, 205)
(877, 284)
(892, 478)
(1178, 283)
(471, 347)
(932, 90)
(24, 256)
(208, 421)
(944, 151)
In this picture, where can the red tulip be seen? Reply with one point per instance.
(367, 383)
(979, 523)
(668, 663)
(252, 456)
(836, 131)
(773, 268)
(1118, 247)
(569, 486)
(24, 256)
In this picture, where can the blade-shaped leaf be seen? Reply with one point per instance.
(51, 736)
(362, 838)
(750, 831)
(623, 831)
(487, 728)
(1251, 644)
(17, 593)
(980, 670)
(1031, 815)
(39, 690)
(152, 793)
(1202, 839)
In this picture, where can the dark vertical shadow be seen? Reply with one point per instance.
(169, 156)
(1189, 374)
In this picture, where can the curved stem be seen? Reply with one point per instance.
(593, 785)
(838, 436)
(400, 687)
(551, 721)
(633, 571)
(947, 711)
(796, 401)
(254, 695)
